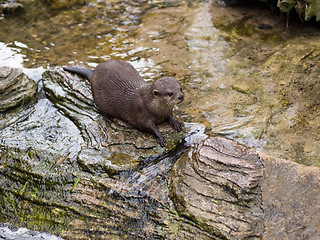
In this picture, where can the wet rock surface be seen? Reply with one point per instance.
(16, 88)
(218, 187)
(218, 190)
(234, 192)
(12, 8)
(291, 200)
(67, 164)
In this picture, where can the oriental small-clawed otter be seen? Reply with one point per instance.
(120, 92)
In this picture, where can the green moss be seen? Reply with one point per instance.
(286, 5)
(121, 159)
(239, 29)
(242, 88)
(23, 212)
(312, 9)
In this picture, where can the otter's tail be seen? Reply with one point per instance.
(83, 72)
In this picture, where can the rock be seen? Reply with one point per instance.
(76, 170)
(305, 9)
(234, 192)
(218, 187)
(241, 87)
(16, 88)
(12, 8)
(291, 200)
(219, 190)
(93, 160)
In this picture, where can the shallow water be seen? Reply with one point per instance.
(10, 233)
(223, 61)
(258, 86)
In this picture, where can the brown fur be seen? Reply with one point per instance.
(120, 92)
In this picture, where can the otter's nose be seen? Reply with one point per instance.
(181, 97)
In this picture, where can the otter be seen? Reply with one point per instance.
(120, 92)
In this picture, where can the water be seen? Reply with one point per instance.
(11, 233)
(240, 81)
(13, 57)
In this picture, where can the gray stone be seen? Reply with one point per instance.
(68, 161)
(235, 192)
(16, 88)
(12, 8)
(218, 187)
(291, 200)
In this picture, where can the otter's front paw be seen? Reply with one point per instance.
(161, 141)
(175, 124)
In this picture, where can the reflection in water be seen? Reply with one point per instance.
(207, 48)
(212, 76)
(12, 57)
(8, 232)
(230, 127)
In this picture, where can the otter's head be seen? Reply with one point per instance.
(168, 92)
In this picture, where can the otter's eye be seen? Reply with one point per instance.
(170, 94)
(155, 92)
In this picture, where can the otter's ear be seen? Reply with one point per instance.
(155, 92)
